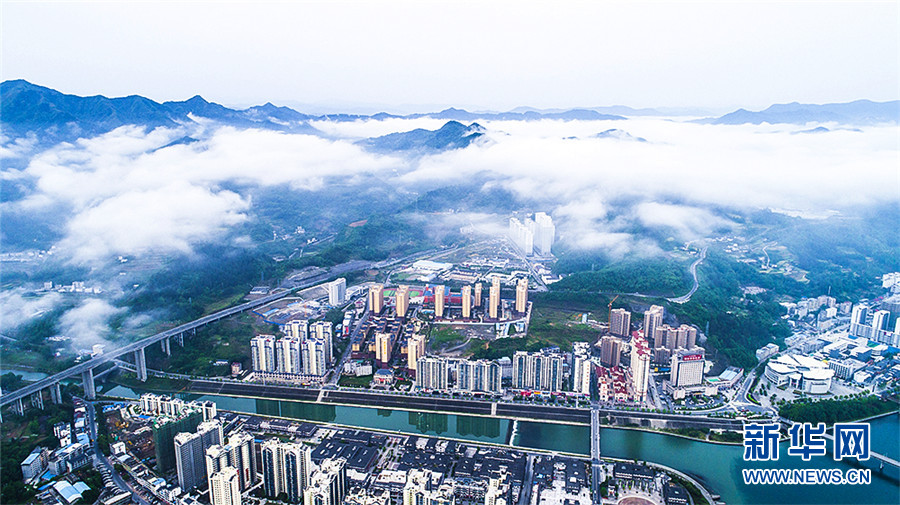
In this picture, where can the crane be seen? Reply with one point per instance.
(609, 315)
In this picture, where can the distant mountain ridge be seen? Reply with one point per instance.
(453, 135)
(27, 107)
(55, 116)
(859, 112)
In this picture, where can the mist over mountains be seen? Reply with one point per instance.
(54, 116)
(114, 190)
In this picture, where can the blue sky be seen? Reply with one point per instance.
(405, 56)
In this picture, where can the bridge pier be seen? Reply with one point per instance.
(18, 407)
(140, 365)
(166, 346)
(37, 400)
(179, 339)
(55, 393)
(87, 380)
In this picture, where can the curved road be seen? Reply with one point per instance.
(686, 298)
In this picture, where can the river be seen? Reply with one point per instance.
(717, 466)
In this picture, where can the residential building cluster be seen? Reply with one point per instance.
(304, 354)
(534, 236)
(436, 373)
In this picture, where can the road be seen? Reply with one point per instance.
(686, 298)
(101, 459)
(336, 373)
(444, 405)
(596, 464)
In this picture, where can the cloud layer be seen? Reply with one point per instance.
(131, 192)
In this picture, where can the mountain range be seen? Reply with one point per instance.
(54, 116)
(859, 112)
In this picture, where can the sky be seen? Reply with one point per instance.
(421, 56)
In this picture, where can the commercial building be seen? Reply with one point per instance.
(620, 322)
(376, 298)
(800, 372)
(337, 291)
(328, 485)
(640, 367)
(263, 354)
(610, 351)
(687, 367)
(541, 371)
(522, 296)
(224, 487)
(767, 351)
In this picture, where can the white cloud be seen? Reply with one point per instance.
(87, 324)
(16, 308)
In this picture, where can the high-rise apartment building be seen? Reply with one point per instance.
(384, 348)
(287, 468)
(620, 322)
(376, 298)
(421, 489)
(432, 373)
(262, 353)
(640, 367)
(313, 357)
(544, 233)
(164, 430)
(415, 349)
(401, 300)
(542, 371)
(243, 458)
(478, 294)
(521, 236)
(325, 331)
(466, 302)
(522, 296)
(582, 367)
(494, 299)
(479, 376)
(296, 328)
(225, 487)
(337, 292)
(288, 355)
(653, 318)
(610, 351)
(189, 461)
(439, 301)
(329, 484)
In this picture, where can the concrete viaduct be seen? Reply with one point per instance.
(86, 369)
